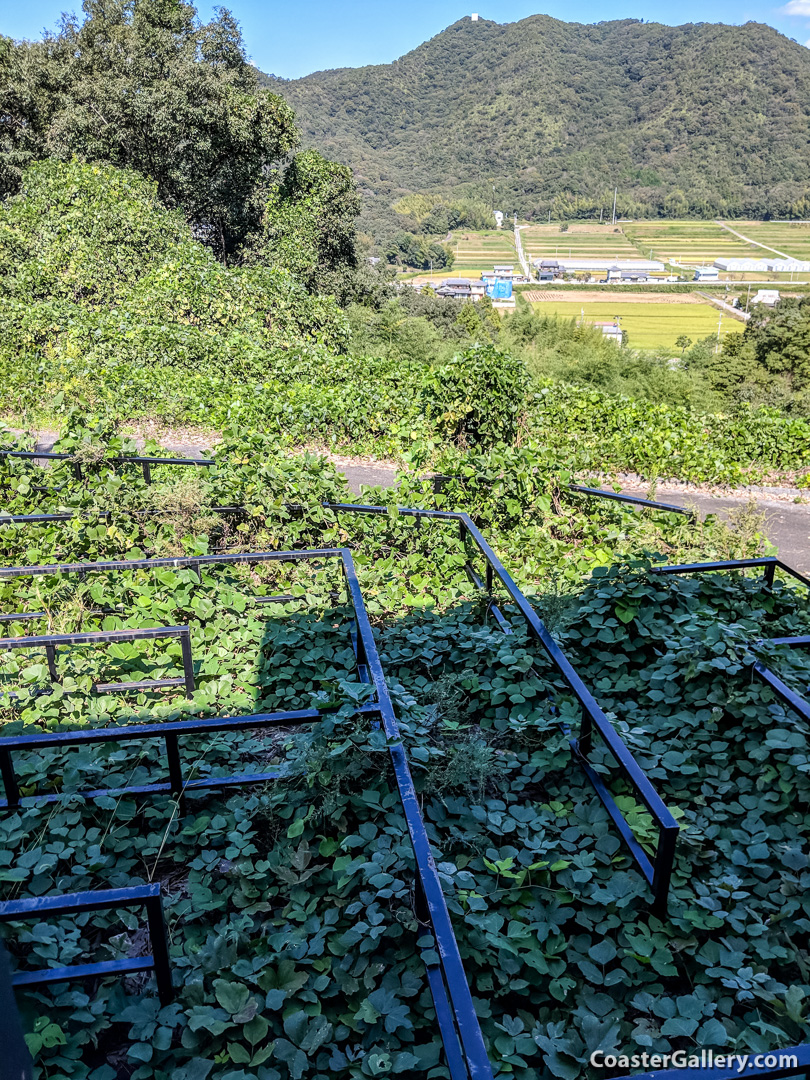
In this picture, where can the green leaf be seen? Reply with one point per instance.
(233, 997)
(296, 828)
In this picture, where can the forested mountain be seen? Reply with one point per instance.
(701, 119)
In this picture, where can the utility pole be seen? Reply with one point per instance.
(615, 193)
(748, 298)
(549, 217)
(601, 211)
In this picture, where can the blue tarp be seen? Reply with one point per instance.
(500, 290)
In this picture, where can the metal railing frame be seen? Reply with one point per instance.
(657, 872)
(785, 693)
(460, 1030)
(635, 500)
(51, 642)
(145, 462)
(148, 896)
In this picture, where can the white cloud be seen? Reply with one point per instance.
(797, 7)
(807, 43)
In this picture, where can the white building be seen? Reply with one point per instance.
(765, 265)
(707, 273)
(768, 297)
(610, 330)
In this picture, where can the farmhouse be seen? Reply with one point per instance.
(610, 330)
(462, 288)
(501, 272)
(768, 297)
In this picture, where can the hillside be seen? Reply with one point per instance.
(700, 119)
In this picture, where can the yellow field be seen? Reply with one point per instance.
(477, 251)
(648, 325)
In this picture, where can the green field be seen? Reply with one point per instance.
(588, 240)
(790, 237)
(477, 251)
(690, 242)
(648, 326)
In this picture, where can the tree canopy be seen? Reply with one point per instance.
(143, 84)
(309, 224)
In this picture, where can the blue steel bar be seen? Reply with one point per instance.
(793, 700)
(185, 561)
(50, 642)
(69, 515)
(734, 1065)
(469, 1030)
(768, 564)
(158, 731)
(168, 730)
(629, 767)
(117, 459)
(634, 500)
(99, 900)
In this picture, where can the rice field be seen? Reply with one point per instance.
(692, 243)
(648, 325)
(790, 237)
(581, 240)
(477, 251)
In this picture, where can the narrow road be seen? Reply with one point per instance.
(748, 240)
(735, 313)
(524, 262)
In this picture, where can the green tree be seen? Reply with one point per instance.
(781, 339)
(143, 84)
(682, 342)
(310, 223)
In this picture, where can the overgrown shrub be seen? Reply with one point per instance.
(478, 398)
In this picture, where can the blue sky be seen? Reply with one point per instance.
(295, 38)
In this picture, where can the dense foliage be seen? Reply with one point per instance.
(309, 223)
(94, 269)
(144, 85)
(289, 905)
(423, 254)
(573, 111)
(294, 940)
(770, 361)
